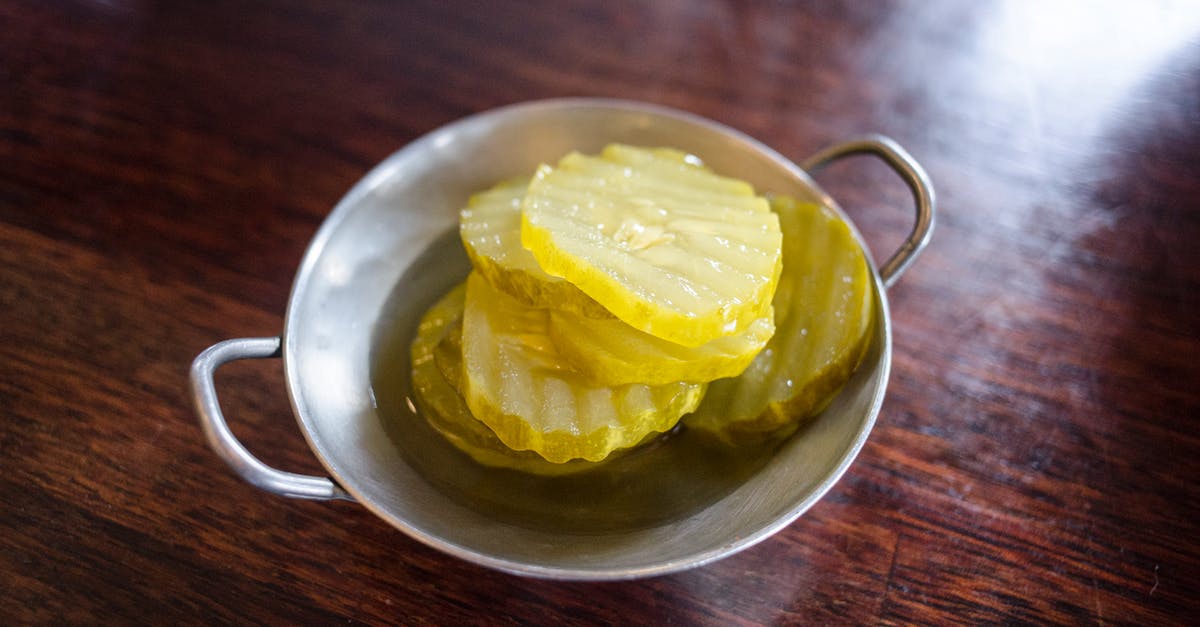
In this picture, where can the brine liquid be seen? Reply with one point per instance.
(669, 479)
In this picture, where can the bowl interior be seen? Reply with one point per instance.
(390, 248)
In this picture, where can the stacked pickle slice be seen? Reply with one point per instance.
(611, 291)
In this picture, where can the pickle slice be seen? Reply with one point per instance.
(490, 226)
(823, 315)
(679, 253)
(611, 352)
(516, 382)
(437, 353)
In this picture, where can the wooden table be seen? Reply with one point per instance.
(163, 166)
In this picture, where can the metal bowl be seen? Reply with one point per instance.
(388, 248)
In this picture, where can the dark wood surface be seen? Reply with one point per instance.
(163, 166)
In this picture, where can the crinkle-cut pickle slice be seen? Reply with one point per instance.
(436, 351)
(611, 352)
(515, 382)
(490, 226)
(823, 315)
(479, 441)
(669, 254)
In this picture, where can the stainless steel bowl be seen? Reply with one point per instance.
(388, 245)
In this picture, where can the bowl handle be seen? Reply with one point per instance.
(913, 175)
(222, 440)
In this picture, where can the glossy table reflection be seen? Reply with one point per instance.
(162, 169)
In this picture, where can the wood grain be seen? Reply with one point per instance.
(163, 166)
